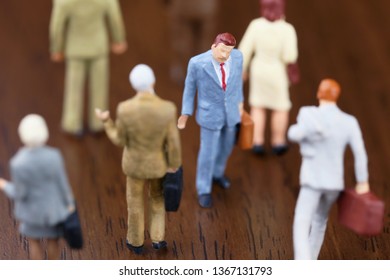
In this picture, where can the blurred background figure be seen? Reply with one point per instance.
(40, 189)
(192, 28)
(323, 133)
(273, 44)
(78, 32)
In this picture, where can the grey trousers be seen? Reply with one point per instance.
(77, 71)
(215, 149)
(311, 216)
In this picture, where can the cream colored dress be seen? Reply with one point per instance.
(273, 45)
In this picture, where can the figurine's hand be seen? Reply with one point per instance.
(172, 170)
(181, 123)
(118, 48)
(362, 188)
(57, 57)
(241, 108)
(103, 116)
(245, 76)
(71, 208)
(2, 183)
(293, 73)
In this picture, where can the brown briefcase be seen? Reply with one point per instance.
(362, 213)
(245, 134)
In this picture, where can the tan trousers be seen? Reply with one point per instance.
(135, 209)
(77, 70)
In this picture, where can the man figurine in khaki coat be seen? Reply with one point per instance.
(79, 32)
(146, 128)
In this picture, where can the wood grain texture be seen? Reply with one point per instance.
(348, 40)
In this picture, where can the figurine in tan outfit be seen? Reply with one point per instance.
(273, 44)
(78, 32)
(146, 128)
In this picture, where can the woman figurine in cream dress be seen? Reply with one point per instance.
(273, 44)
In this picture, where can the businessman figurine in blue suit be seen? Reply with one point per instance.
(216, 76)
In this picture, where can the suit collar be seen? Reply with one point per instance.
(209, 68)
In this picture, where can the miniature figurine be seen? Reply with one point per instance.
(273, 42)
(78, 32)
(146, 128)
(323, 133)
(216, 76)
(39, 188)
(192, 28)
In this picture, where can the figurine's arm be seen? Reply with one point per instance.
(247, 47)
(117, 28)
(360, 158)
(115, 132)
(290, 55)
(297, 132)
(57, 27)
(14, 190)
(64, 184)
(173, 147)
(307, 126)
(188, 95)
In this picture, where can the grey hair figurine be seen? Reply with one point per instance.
(39, 188)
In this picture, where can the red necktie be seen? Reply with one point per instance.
(223, 77)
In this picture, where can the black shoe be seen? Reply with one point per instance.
(205, 200)
(223, 182)
(136, 249)
(159, 245)
(279, 150)
(258, 150)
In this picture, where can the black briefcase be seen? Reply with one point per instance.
(173, 188)
(72, 231)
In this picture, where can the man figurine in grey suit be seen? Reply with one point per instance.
(216, 76)
(323, 133)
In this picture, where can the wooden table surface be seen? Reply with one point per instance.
(348, 40)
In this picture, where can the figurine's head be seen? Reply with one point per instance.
(272, 9)
(142, 78)
(33, 131)
(222, 47)
(328, 90)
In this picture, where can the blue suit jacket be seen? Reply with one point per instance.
(216, 107)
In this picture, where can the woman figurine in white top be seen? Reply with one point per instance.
(273, 44)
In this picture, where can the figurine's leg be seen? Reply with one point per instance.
(135, 210)
(318, 225)
(156, 211)
(206, 159)
(225, 147)
(35, 249)
(259, 118)
(307, 204)
(98, 90)
(53, 250)
(73, 99)
(279, 123)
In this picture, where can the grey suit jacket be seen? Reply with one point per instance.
(39, 187)
(323, 134)
(215, 106)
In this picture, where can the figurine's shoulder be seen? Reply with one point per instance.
(201, 58)
(306, 110)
